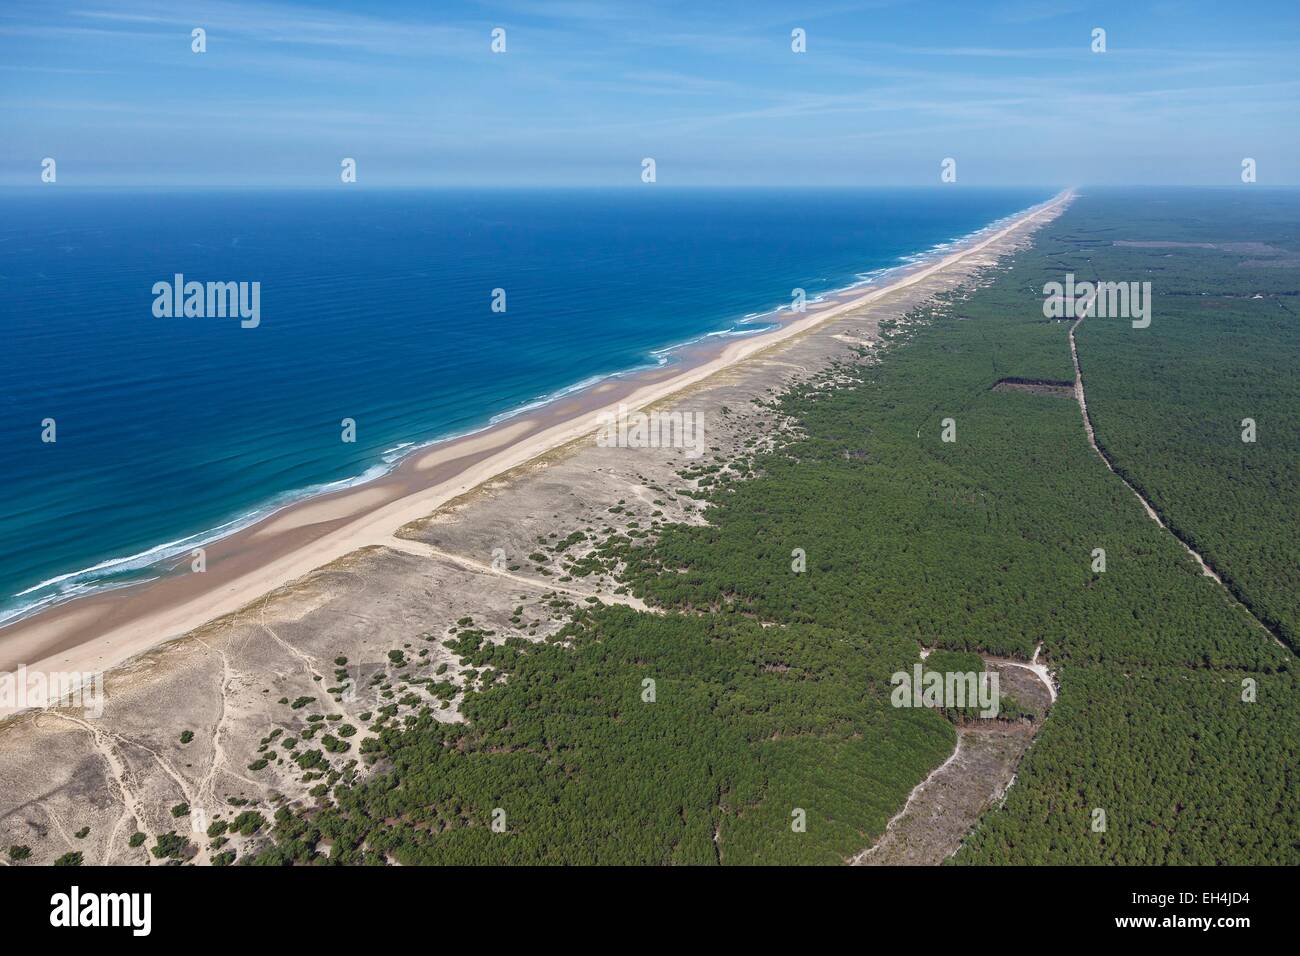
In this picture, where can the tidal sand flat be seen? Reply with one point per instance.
(332, 607)
(95, 633)
(416, 315)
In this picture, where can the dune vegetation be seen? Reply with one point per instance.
(750, 722)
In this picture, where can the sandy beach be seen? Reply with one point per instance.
(99, 632)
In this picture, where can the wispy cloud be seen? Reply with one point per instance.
(597, 85)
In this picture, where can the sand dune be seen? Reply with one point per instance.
(98, 632)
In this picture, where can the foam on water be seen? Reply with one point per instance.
(374, 308)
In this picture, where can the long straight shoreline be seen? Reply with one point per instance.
(95, 633)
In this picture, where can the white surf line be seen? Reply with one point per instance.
(1146, 505)
(916, 791)
(378, 525)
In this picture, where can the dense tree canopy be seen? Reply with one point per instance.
(770, 686)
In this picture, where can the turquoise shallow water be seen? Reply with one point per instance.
(374, 306)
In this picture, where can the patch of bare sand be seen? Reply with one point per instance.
(488, 441)
(494, 553)
(330, 509)
(943, 808)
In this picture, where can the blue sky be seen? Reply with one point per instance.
(587, 89)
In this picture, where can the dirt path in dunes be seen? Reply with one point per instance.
(411, 546)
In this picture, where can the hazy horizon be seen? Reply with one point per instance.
(883, 93)
(619, 187)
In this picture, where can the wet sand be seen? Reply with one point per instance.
(98, 632)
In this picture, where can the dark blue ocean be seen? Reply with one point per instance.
(376, 306)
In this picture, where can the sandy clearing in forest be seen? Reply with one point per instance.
(299, 539)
